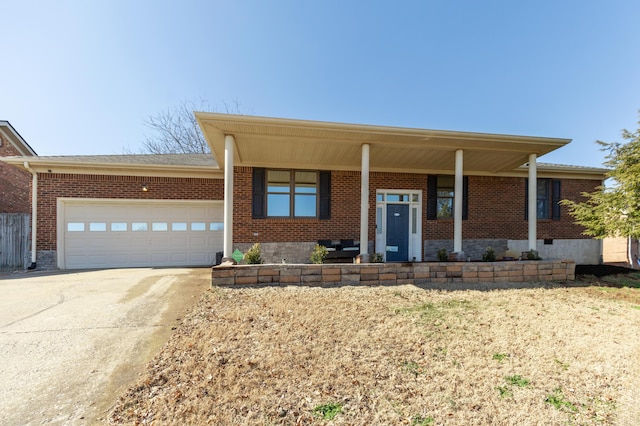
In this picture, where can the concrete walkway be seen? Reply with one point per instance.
(71, 343)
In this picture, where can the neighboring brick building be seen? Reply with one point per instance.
(295, 182)
(14, 182)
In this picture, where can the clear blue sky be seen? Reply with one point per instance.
(81, 77)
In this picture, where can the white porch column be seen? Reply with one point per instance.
(457, 203)
(533, 199)
(229, 149)
(364, 202)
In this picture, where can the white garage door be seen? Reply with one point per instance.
(134, 233)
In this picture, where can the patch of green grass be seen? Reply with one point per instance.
(431, 311)
(500, 357)
(627, 280)
(412, 367)
(442, 351)
(517, 380)
(424, 309)
(557, 400)
(505, 392)
(636, 307)
(419, 420)
(327, 411)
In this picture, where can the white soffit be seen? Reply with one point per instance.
(276, 142)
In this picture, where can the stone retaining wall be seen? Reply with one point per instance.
(395, 273)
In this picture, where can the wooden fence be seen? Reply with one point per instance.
(15, 233)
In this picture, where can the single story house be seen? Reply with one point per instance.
(403, 192)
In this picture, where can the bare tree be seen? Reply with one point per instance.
(176, 130)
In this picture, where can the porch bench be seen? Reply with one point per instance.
(345, 251)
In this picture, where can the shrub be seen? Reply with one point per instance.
(319, 254)
(252, 256)
(443, 255)
(533, 255)
(489, 255)
(376, 258)
(327, 411)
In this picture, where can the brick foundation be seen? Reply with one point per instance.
(395, 273)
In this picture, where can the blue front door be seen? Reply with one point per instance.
(397, 232)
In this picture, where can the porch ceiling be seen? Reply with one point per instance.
(286, 143)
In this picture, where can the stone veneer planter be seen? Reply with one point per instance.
(395, 273)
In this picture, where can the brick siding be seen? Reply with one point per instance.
(496, 205)
(344, 222)
(52, 186)
(496, 210)
(14, 183)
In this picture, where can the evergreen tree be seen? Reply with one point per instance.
(614, 210)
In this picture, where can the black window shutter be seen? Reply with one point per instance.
(526, 199)
(258, 198)
(465, 198)
(432, 197)
(555, 199)
(325, 195)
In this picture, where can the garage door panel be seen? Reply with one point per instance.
(183, 237)
(180, 241)
(199, 258)
(198, 242)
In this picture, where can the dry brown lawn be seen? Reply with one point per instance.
(548, 354)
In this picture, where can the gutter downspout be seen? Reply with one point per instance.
(34, 214)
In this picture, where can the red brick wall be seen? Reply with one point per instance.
(496, 205)
(496, 210)
(344, 223)
(14, 183)
(51, 186)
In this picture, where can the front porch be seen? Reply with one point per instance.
(324, 148)
(394, 273)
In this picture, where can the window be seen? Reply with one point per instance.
(445, 196)
(278, 193)
(306, 191)
(440, 196)
(547, 199)
(542, 199)
(179, 226)
(75, 226)
(198, 226)
(291, 193)
(139, 226)
(397, 198)
(97, 227)
(118, 226)
(159, 226)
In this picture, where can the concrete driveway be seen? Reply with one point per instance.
(72, 342)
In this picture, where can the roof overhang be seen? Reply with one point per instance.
(561, 171)
(12, 135)
(60, 165)
(288, 143)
